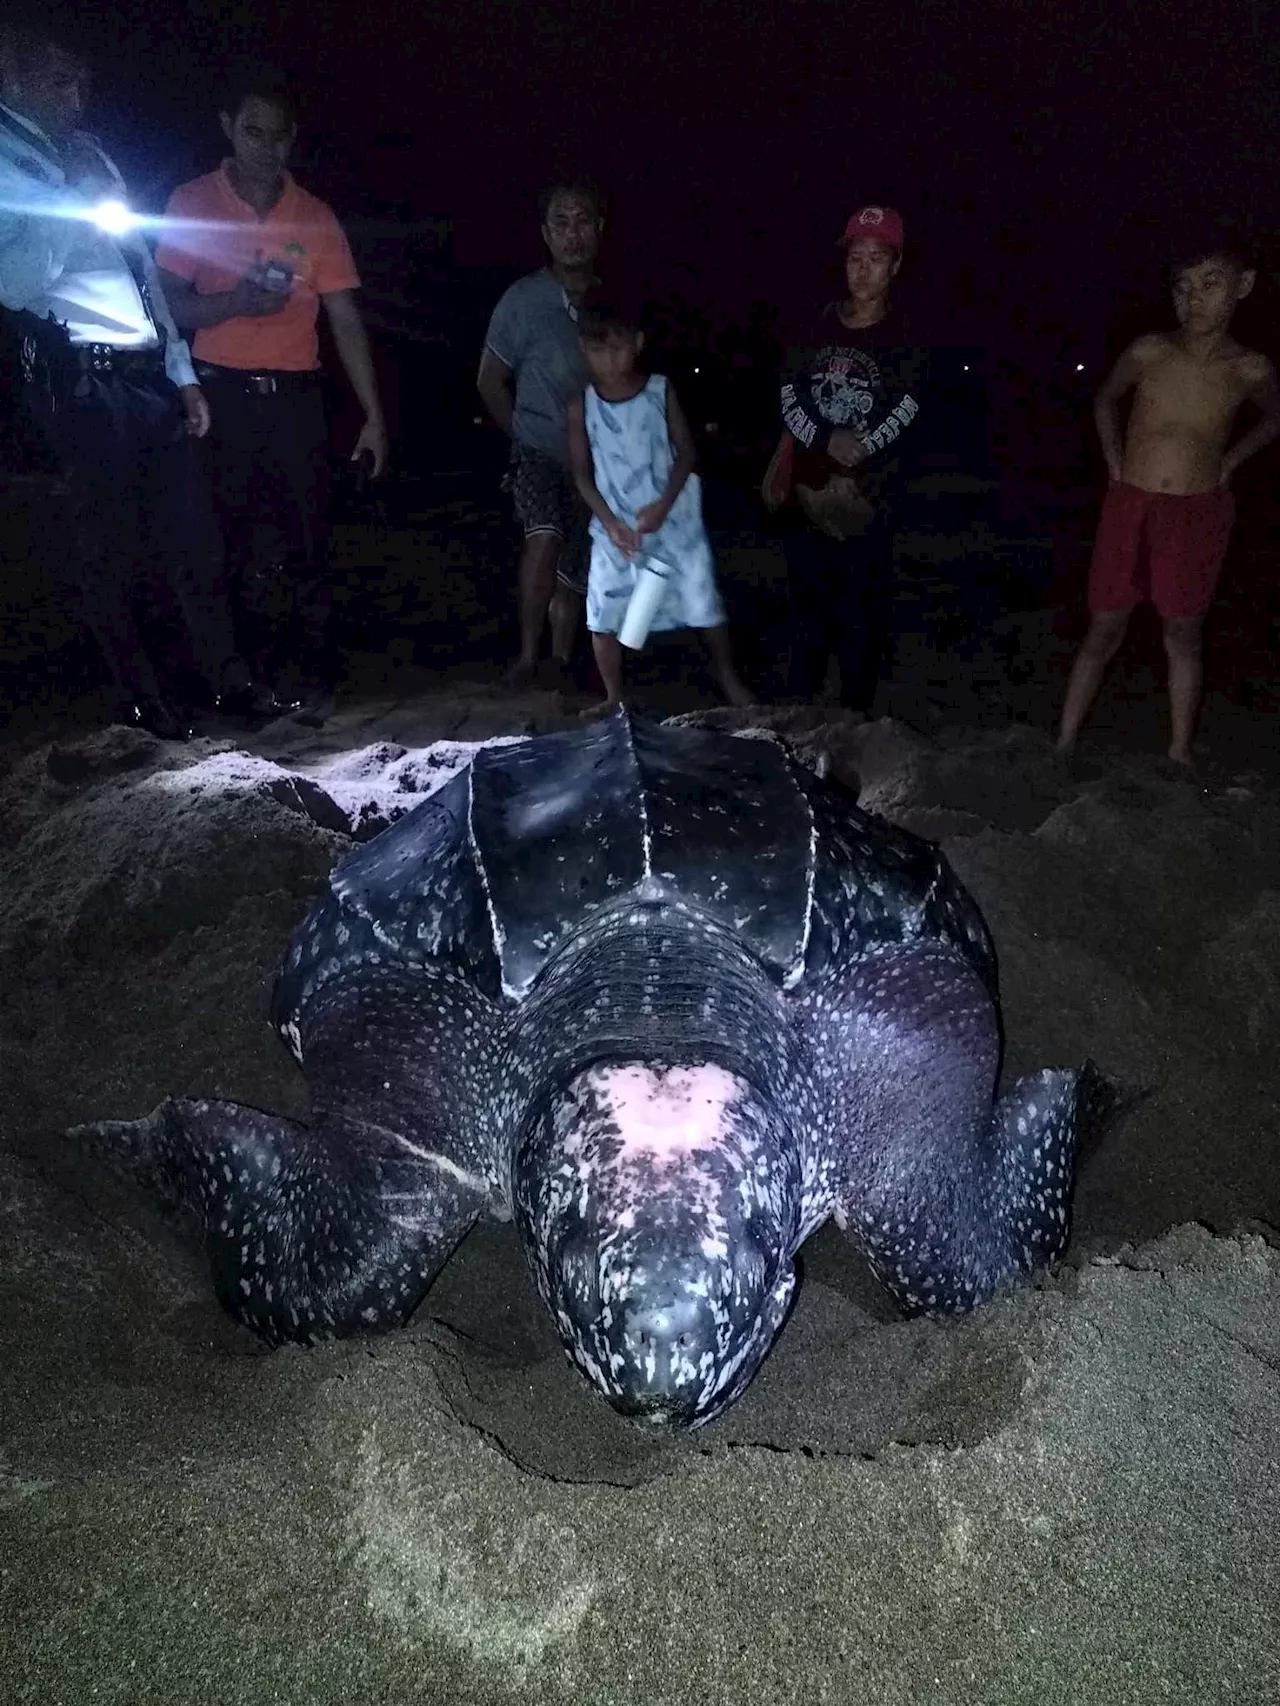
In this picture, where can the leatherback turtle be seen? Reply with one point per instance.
(669, 1001)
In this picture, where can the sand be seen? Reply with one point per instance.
(1068, 1497)
(1072, 1496)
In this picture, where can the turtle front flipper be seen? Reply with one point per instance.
(949, 1196)
(945, 1239)
(310, 1235)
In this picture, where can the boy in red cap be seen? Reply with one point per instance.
(849, 395)
(1167, 516)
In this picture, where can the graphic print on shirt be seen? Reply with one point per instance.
(842, 385)
(846, 383)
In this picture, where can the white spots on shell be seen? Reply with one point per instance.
(797, 968)
(458, 1046)
(495, 923)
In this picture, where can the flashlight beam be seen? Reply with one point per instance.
(111, 216)
(114, 218)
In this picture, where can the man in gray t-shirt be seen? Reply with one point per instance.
(531, 367)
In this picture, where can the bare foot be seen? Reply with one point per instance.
(520, 674)
(1070, 764)
(737, 692)
(605, 708)
(1065, 755)
(1183, 766)
(558, 677)
(1182, 770)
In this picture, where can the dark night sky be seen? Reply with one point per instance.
(1020, 140)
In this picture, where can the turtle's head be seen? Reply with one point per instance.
(659, 1209)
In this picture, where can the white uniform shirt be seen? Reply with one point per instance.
(56, 263)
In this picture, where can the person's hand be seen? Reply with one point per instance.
(624, 538)
(1224, 478)
(195, 407)
(651, 517)
(1115, 473)
(373, 438)
(846, 447)
(251, 300)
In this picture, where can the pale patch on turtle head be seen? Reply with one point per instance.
(659, 1209)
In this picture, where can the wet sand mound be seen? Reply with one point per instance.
(1068, 1496)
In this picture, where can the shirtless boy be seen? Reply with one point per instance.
(1168, 513)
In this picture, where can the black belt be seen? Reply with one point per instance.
(106, 358)
(259, 384)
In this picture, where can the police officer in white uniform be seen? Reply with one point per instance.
(109, 382)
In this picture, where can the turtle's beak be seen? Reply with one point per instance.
(683, 1365)
(657, 1412)
(665, 1348)
(676, 1338)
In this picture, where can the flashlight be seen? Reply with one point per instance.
(113, 217)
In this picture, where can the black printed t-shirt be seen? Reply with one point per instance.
(870, 379)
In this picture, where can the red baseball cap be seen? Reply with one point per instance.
(881, 224)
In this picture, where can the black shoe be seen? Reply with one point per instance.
(311, 702)
(242, 696)
(268, 702)
(255, 701)
(156, 716)
(307, 687)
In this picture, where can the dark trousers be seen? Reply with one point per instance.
(141, 511)
(840, 603)
(268, 460)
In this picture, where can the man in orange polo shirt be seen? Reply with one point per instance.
(246, 260)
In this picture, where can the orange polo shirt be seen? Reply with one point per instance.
(218, 237)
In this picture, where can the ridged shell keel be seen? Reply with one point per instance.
(658, 982)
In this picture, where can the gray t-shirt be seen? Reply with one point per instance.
(534, 332)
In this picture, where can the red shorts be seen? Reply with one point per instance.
(1159, 545)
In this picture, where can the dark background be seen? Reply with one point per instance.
(1021, 142)
(1040, 156)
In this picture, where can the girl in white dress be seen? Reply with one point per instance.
(633, 458)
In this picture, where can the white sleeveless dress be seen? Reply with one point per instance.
(632, 458)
